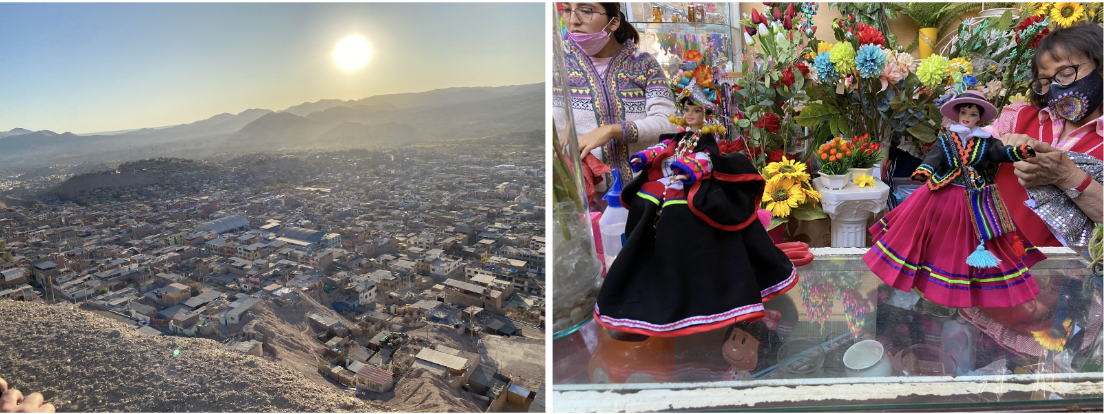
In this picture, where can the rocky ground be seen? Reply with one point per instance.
(83, 362)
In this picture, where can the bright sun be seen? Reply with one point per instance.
(352, 52)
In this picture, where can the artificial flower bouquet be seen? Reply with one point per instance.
(866, 153)
(774, 77)
(863, 87)
(1000, 49)
(789, 193)
(835, 157)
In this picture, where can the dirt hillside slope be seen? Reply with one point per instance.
(84, 362)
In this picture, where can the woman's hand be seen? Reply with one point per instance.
(1015, 140)
(598, 137)
(1049, 166)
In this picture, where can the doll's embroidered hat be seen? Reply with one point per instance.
(969, 97)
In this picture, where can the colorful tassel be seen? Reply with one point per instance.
(982, 258)
(1017, 245)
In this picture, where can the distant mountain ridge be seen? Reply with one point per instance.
(469, 112)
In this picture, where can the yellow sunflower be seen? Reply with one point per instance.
(1053, 344)
(1066, 14)
(811, 194)
(1042, 8)
(864, 181)
(782, 196)
(786, 168)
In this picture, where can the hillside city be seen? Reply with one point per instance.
(360, 269)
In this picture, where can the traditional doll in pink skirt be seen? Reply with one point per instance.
(953, 239)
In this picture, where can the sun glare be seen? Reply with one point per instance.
(352, 52)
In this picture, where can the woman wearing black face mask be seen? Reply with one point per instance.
(1064, 115)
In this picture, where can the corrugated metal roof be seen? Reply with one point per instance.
(224, 224)
(442, 359)
(464, 285)
(376, 375)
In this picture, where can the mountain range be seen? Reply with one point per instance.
(381, 120)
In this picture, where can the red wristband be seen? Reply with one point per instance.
(1085, 184)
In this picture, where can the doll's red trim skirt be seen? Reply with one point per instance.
(696, 324)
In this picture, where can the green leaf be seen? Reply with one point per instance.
(833, 125)
(743, 123)
(843, 126)
(799, 81)
(778, 221)
(911, 83)
(808, 212)
(767, 103)
(771, 95)
(814, 114)
(923, 132)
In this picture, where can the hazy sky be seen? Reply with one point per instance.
(102, 67)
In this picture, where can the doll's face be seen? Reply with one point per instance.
(741, 350)
(694, 115)
(969, 116)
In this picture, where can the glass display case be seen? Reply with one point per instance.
(668, 29)
(574, 255)
(843, 340)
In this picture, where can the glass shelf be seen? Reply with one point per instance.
(839, 303)
(683, 27)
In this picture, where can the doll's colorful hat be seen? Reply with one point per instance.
(695, 81)
(969, 97)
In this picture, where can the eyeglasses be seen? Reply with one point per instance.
(584, 15)
(1063, 76)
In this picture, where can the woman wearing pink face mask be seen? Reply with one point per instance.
(620, 97)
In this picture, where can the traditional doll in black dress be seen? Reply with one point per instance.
(696, 256)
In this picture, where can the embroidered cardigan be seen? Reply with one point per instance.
(633, 93)
(959, 147)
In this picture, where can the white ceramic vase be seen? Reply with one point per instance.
(857, 172)
(835, 182)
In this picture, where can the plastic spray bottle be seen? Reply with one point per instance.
(613, 220)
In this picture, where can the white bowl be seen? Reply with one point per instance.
(867, 359)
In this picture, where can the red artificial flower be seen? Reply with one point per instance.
(737, 117)
(851, 17)
(770, 122)
(790, 10)
(692, 56)
(787, 77)
(755, 18)
(768, 3)
(776, 155)
(777, 14)
(1027, 22)
(787, 22)
(869, 35)
(736, 88)
(814, 29)
(736, 145)
(751, 31)
(801, 66)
